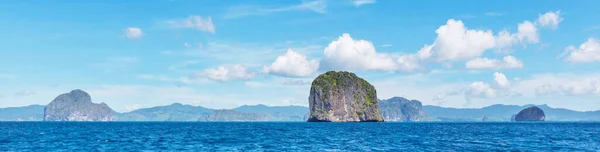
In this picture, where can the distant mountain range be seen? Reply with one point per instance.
(399, 109)
(500, 112)
(181, 112)
(27, 113)
(173, 112)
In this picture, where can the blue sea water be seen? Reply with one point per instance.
(247, 136)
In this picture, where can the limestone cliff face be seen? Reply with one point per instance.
(402, 110)
(532, 113)
(342, 97)
(76, 106)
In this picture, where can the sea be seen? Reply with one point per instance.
(297, 136)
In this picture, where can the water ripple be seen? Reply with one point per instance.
(204, 136)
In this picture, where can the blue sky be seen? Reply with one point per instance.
(223, 54)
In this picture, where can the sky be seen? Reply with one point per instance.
(224, 54)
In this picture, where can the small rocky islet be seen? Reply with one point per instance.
(343, 97)
(532, 113)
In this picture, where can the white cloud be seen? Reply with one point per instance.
(195, 22)
(296, 82)
(508, 62)
(545, 89)
(182, 80)
(562, 84)
(589, 51)
(227, 73)
(318, 6)
(504, 41)
(527, 32)
(456, 42)
(587, 86)
(501, 80)
(416, 61)
(249, 54)
(502, 88)
(358, 3)
(346, 53)
(480, 89)
(133, 32)
(292, 64)
(550, 19)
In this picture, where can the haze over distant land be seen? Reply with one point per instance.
(283, 113)
(76, 106)
(225, 54)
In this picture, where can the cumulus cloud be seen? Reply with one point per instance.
(195, 22)
(508, 62)
(358, 3)
(480, 89)
(411, 62)
(550, 19)
(587, 86)
(505, 40)
(501, 87)
(292, 64)
(227, 73)
(544, 90)
(589, 51)
(527, 32)
(456, 42)
(133, 32)
(346, 53)
(563, 84)
(500, 80)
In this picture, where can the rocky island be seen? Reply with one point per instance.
(532, 113)
(77, 106)
(402, 110)
(343, 97)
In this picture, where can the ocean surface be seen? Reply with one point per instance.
(271, 136)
